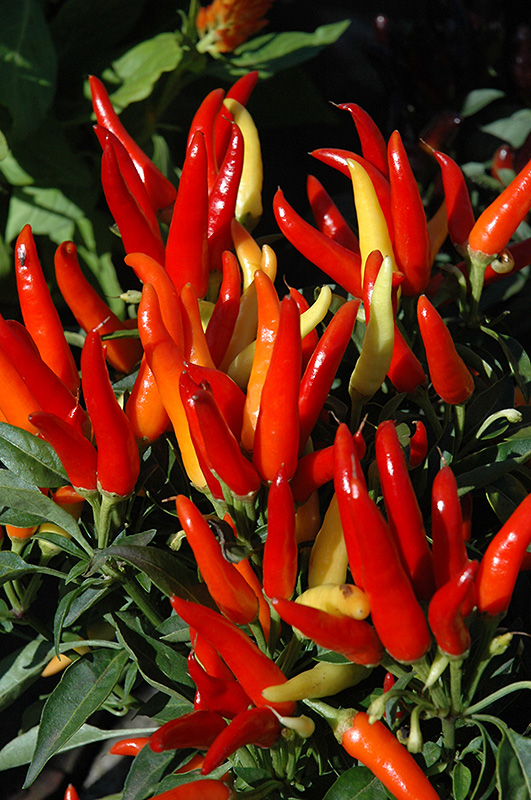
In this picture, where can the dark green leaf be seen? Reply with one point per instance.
(505, 495)
(357, 783)
(20, 669)
(12, 567)
(31, 458)
(146, 771)
(513, 767)
(27, 64)
(68, 708)
(161, 567)
(461, 781)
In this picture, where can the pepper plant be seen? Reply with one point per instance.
(290, 526)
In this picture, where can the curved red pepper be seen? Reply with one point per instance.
(222, 199)
(150, 271)
(187, 259)
(129, 747)
(118, 463)
(411, 244)
(446, 615)
(77, 455)
(418, 444)
(372, 142)
(353, 638)
(254, 670)
(256, 726)
(160, 190)
(328, 217)
(228, 396)
(39, 313)
(403, 513)
(230, 591)
(221, 324)
(459, 211)
(16, 400)
(449, 374)
(224, 696)
(280, 561)
(197, 729)
(240, 91)
(342, 265)
(204, 122)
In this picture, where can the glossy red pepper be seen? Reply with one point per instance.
(222, 199)
(449, 374)
(150, 271)
(520, 256)
(317, 468)
(231, 593)
(221, 324)
(372, 141)
(411, 244)
(91, 311)
(77, 455)
(264, 614)
(347, 467)
(322, 368)
(254, 670)
(197, 730)
(16, 400)
(208, 657)
(276, 440)
(499, 567)
(448, 546)
(418, 445)
(204, 122)
(256, 726)
(187, 259)
(224, 696)
(160, 190)
(280, 559)
(203, 789)
(130, 746)
(403, 513)
(459, 211)
(405, 372)
(356, 639)
(240, 91)
(328, 217)
(41, 318)
(446, 614)
(502, 160)
(311, 339)
(228, 396)
(495, 226)
(118, 463)
(341, 264)
(70, 793)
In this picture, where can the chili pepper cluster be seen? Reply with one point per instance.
(318, 562)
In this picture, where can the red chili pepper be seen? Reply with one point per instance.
(264, 615)
(519, 254)
(339, 263)
(377, 748)
(197, 730)
(276, 440)
(209, 657)
(138, 231)
(240, 91)
(203, 789)
(129, 747)
(372, 142)
(204, 122)
(446, 612)
(459, 211)
(252, 668)
(502, 160)
(222, 199)
(70, 793)
(405, 373)
(160, 190)
(221, 324)
(328, 217)
(225, 697)
(449, 374)
(77, 455)
(39, 313)
(231, 593)
(418, 444)
(411, 244)
(317, 468)
(495, 226)
(118, 464)
(195, 343)
(150, 271)
(91, 311)
(353, 638)
(347, 467)
(499, 567)
(448, 545)
(338, 159)
(187, 259)
(309, 342)
(256, 726)
(280, 561)
(228, 396)
(322, 367)
(214, 439)
(16, 400)
(403, 513)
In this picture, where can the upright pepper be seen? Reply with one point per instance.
(329, 558)
(255, 726)
(225, 313)
(150, 271)
(328, 217)
(39, 313)
(448, 544)
(347, 467)
(445, 612)
(372, 142)
(222, 200)
(203, 123)
(118, 463)
(16, 400)
(249, 200)
(280, 562)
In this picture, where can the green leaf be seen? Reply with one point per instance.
(68, 708)
(12, 567)
(357, 783)
(27, 64)
(48, 211)
(146, 771)
(139, 69)
(4, 149)
(461, 781)
(478, 99)
(514, 129)
(161, 567)
(20, 751)
(277, 51)
(513, 767)
(20, 669)
(31, 458)
(505, 495)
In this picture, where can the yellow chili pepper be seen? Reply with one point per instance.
(323, 680)
(329, 559)
(249, 199)
(345, 599)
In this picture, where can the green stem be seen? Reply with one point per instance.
(459, 426)
(448, 736)
(141, 600)
(492, 698)
(456, 673)
(483, 657)
(12, 596)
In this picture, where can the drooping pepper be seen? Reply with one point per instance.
(280, 562)
(449, 374)
(459, 211)
(403, 513)
(255, 726)
(39, 313)
(197, 729)
(231, 592)
(118, 463)
(405, 370)
(251, 667)
(224, 696)
(341, 599)
(445, 612)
